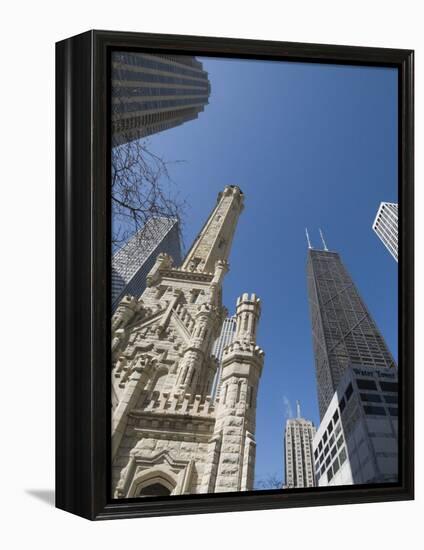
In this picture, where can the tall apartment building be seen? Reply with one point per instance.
(225, 338)
(343, 331)
(132, 262)
(299, 461)
(151, 93)
(357, 440)
(386, 226)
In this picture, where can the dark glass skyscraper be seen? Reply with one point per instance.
(151, 93)
(132, 263)
(344, 333)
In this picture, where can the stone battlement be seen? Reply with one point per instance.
(183, 274)
(244, 347)
(177, 403)
(251, 299)
(231, 190)
(181, 270)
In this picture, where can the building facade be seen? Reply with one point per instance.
(225, 338)
(343, 330)
(168, 436)
(152, 93)
(298, 451)
(357, 440)
(133, 261)
(386, 226)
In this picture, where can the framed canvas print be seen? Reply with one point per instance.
(234, 275)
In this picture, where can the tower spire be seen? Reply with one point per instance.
(298, 409)
(323, 241)
(307, 237)
(214, 241)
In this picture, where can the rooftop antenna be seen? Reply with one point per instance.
(323, 241)
(298, 409)
(307, 237)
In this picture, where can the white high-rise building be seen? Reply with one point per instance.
(299, 463)
(357, 441)
(225, 338)
(386, 226)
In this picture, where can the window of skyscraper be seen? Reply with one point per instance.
(370, 409)
(390, 398)
(349, 391)
(373, 397)
(364, 384)
(389, 386)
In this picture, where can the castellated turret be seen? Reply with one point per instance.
(248, 313)
(168, 435)
(236, 412)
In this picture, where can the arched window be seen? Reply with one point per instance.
(154, 490)
(239, 386)
(154, 484)
(194, 296)
(250, 400)
(224, 398)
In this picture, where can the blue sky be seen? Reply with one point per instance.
(309, 145)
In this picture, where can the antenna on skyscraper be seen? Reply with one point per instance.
(307, 237)
(298, 409)
(323, 241)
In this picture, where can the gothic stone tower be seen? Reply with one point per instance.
(168, 436)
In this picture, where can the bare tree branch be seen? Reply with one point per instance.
(141, 188)
(271, 481)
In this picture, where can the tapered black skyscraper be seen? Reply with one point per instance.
(343, 330)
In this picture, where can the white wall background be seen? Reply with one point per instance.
(29, 31)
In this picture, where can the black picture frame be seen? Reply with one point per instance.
(82, 271)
